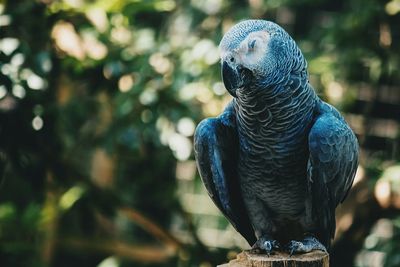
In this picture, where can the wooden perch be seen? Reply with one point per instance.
(279, 259)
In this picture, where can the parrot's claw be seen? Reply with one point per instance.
(266, 245)
(308, 244)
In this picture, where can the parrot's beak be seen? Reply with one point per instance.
(231, 78)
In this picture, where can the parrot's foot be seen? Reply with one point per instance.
(308, 244)
(264, 244)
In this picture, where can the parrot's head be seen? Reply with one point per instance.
(256, 54)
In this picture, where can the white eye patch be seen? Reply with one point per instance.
(250, 52)
(253, 49)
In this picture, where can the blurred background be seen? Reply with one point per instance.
(99, 101)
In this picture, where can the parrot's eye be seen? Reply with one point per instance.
(232, 59)
(252, 44)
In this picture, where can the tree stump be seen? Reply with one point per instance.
(280, 259)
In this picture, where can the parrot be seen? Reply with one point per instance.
(278, 160)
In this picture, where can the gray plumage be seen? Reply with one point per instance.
(278, 160)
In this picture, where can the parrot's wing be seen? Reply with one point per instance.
(332, 166)
(216, 151)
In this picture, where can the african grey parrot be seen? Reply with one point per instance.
(278, 160)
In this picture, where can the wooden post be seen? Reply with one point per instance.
(280, 259)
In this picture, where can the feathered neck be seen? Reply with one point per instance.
(275, 109)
